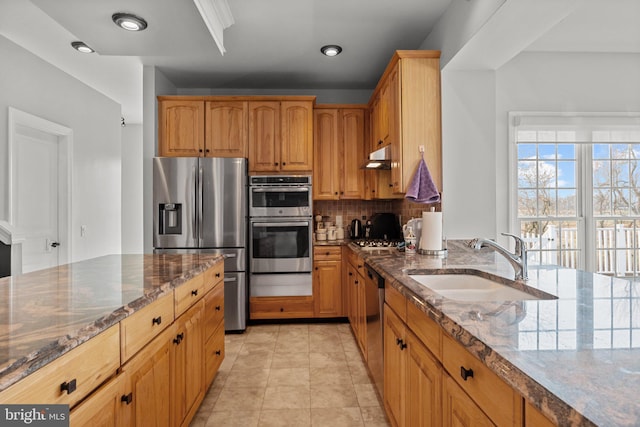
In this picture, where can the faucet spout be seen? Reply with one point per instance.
(518, 259)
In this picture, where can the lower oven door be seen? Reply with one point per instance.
(281, 245)
(278, 285)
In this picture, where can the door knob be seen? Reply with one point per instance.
(55, 244)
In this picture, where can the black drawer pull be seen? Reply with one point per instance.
(69, 387)
(466, 373)
(178, 339)
(217, 274)
(127, 398)
(218, 352)
(194, 292)
(401, 343)
(156, 320)
(218, 308)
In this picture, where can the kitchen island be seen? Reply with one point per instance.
(574, 358)
(51, 315)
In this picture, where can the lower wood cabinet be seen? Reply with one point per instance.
(147, 393)
(187, 367)
(356, 309)
(327, 281)
(102, 409)
(431, 380)
(459, 409)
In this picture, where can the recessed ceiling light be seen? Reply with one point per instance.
(81, 47)
(331, 50)
(129, 21)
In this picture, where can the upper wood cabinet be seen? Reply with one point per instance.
(340, 146)
(181, 127)
(226, 133)
(275, 133)
(411, 87)
(281, 136)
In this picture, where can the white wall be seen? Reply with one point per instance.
(36, 87)
(468, 154)
(154, 83)
(323, 96)
(132, 189)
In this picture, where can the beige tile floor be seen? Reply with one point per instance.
(292, 375)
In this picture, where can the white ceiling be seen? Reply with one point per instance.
(273, 44)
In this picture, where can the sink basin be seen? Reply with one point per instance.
(467, 287)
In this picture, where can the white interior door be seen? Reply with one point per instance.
(36, 186)
(40, 189)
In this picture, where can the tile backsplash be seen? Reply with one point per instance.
(350, 209)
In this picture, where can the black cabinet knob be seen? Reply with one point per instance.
(194, 292)
(69, 387)
(217, 274)
(178, 339)
(276, 163)
(218, 352)
(218, 308)
(127, 398)
(156, 320)
(284, 164)
(466, 373)
(281, 309)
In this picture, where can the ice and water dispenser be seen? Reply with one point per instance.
(170, 216)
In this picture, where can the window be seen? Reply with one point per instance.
(576, 197)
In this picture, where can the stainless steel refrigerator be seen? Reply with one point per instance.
(200, 206)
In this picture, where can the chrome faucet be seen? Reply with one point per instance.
(518, 259)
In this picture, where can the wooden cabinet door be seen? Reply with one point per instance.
(226, 128)
(351, 277)
(296, 152)
(424, 385)
(101, 409)
(395, 135)
(326, 173)
(264, 136)
(327, 288)
(187, 377)
(148, 383)
(459, 409)
(180, 128)
(395, 362)
(352, 154)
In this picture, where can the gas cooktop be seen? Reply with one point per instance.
(376, 243)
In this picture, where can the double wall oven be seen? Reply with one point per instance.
(280, 241)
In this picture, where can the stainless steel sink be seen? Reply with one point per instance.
(468, 287)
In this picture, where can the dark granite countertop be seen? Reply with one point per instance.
(46, 313)
(575, 358)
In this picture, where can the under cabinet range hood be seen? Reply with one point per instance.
(379, 159)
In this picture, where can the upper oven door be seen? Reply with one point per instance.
(268, 201)
(280, 246)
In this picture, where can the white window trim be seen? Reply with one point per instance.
(588, 256)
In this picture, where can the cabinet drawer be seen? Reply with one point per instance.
(143, 325)
(188, 293)
(213, 309)
(425, 328)
(396, 301)
(322, 253)
(81, 371)
(213, 276)
(498, 400)
(280, 307)
(214, 354)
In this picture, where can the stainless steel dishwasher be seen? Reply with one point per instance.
(374, 305)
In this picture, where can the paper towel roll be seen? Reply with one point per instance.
(431, 239)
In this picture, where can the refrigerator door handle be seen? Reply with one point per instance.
(229, 256)
(200, 203)
(194, 221)
(230, 279)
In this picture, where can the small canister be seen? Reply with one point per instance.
(410, 242)
(340, 233)
(331, 233)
